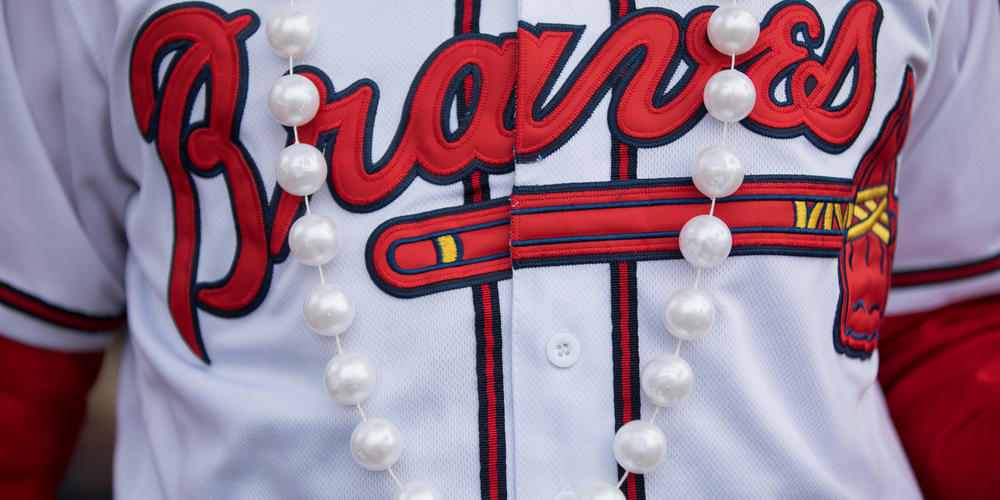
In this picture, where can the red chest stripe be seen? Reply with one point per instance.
(604, 222)
(589, 226)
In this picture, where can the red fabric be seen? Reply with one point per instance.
(43, 399)
(941, 374)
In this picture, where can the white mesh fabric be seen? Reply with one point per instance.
(776, 412)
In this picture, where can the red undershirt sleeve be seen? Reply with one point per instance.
(940, 371)
(43, 400)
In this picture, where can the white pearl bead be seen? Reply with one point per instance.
(349, 378)
(417, 490)
(291, 33)
(329, 310)
(733, 30)
(666, 380)
(601, 491)
(313, 239)
(730, 95)
(376, 444)
(300, 169)
(705, 241)
(688, 313)
(717, 172)
(293, 100)
(639, 446)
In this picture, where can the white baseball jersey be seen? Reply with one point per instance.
(501, 173)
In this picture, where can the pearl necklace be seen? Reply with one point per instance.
(705, 241)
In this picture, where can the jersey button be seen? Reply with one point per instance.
(563, 349)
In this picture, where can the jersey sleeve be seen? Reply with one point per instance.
(62, 194)
(939, 348)
(948, 243)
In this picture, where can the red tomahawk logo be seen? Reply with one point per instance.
(869, 243)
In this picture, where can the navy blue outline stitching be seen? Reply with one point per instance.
(328, 138)
(443, 285)
(268, 205)
(811, 45)
(451, 94)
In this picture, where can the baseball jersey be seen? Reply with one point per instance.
(502, 173)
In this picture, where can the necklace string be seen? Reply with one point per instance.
(705, 242)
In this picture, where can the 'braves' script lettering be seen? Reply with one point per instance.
(654, 62)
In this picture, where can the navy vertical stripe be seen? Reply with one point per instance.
(625, 342)
(489, 371)
(624, 306)
(467, 16)
(619, 8)
(623, 160)
(625, 358)
(486, 302)
(477, 187)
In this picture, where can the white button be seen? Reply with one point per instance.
(565, 495)
(563, 349)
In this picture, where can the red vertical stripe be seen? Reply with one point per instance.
(477, 191)
(630, 484)
(626, 360)
(491, 404)
(625, 337)
(467, 28)
(492, 480)
(624, 170)
(469, 80)
(467, 17)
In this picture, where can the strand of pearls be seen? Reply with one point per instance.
(705, 241)
(376, 443)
